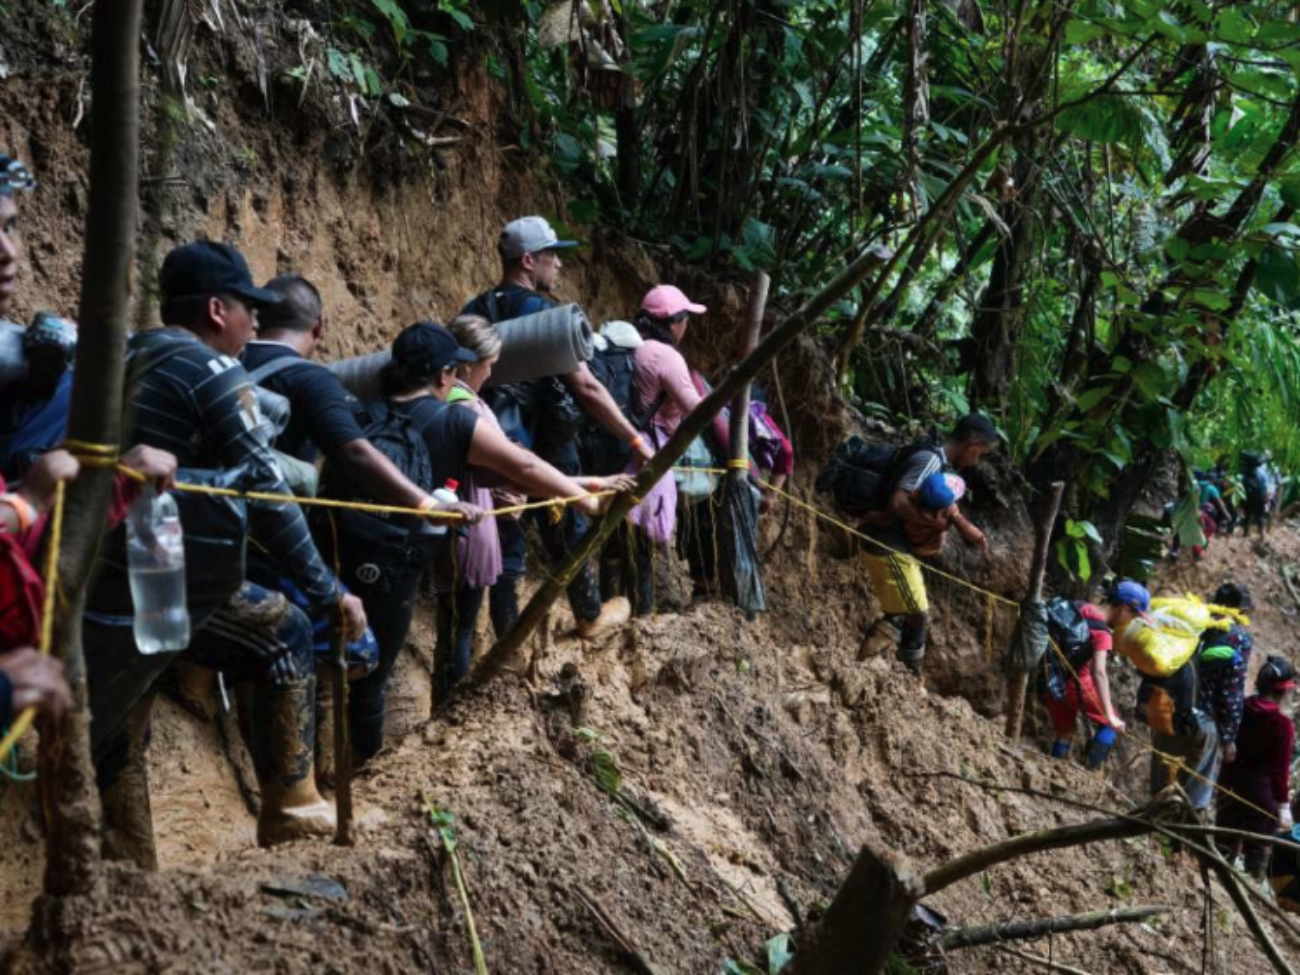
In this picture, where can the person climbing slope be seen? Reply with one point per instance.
(896, 576)
(550, 409)
(1076, 679)
(1257, 782)
(418, 381)
(1223, 661)
(1184, 739)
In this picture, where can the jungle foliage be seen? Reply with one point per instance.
(1094, 201)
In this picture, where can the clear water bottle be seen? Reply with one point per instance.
(445, 495)
(155, 548)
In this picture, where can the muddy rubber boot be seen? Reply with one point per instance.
(883, 634)
(325, 765)
(124, 792)
(911, 650)
(284, 738)
(1099, 748)
(194, 687)
(613, 614)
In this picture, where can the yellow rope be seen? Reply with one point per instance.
(19, 727)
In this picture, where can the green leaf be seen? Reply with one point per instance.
(1105, 119)
(733, 967)
(1277, 276)
(608, 774)
(779, 953)
(396, 17)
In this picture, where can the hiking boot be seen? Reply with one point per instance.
(613, 614)
(284, 739)
(128, 816)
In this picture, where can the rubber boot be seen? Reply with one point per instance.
(613, 614)
(284, 738)
(124, 792)
(1060, 750)
(883, 634)
(1099, 748)
(325, 765)
(911, 648)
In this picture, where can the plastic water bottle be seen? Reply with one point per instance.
(445, 495)
(155, 548)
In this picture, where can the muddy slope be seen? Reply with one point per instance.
(760, 755)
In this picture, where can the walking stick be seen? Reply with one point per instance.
(1018, 678)
(342, 745)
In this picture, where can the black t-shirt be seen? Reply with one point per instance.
(322, 417)
(448, 437)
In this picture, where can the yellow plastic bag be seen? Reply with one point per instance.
(1187, 608)
(1201, 615)
(1160, 644)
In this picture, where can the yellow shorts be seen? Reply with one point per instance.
(899, 583)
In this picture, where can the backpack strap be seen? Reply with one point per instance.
(278, 365)
(151, 354)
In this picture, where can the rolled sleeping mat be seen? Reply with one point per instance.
(13, 361)
(550, 343)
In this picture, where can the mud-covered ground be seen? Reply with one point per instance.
(762, 755)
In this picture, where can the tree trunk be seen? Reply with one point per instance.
(862, 927)
(67, 774)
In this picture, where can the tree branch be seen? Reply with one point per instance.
(1019, 930)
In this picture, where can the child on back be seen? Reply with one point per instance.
(938, 496)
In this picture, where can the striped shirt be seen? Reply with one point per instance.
(200, 406)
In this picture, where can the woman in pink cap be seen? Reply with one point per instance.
(663, 393)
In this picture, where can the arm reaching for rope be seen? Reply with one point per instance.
(492, 450)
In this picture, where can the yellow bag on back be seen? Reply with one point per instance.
(1187, 608)
(1160, 644)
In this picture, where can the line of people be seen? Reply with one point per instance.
(1234, 751)
(227, 393)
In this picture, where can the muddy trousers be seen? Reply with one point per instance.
(457, 623)
(389, 611)
(627, 568)
(256, 636)
(558, 538)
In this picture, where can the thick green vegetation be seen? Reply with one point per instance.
(1094, 201)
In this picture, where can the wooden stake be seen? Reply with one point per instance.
(67, 778)
(343, 835)
(1017, 680)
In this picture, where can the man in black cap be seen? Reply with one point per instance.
(192, 397)
(530, 258)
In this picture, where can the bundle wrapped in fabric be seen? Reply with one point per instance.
(550, 343)
(1160, 643)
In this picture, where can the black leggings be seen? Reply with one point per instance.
(389, 614)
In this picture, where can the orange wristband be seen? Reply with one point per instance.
(636, 442)
(22, 508)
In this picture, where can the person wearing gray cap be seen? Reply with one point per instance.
(551, 409)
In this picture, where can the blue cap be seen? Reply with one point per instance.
(935, 492)
(1132, 594)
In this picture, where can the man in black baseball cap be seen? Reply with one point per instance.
(207, 288)
(192, 397)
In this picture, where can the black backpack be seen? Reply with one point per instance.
(602, 452)
(860, 477)
(1071, 631)
(374, 549)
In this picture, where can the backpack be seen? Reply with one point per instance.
(1071, 631)
(602, 452)
(860, 477)
(378, 550)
